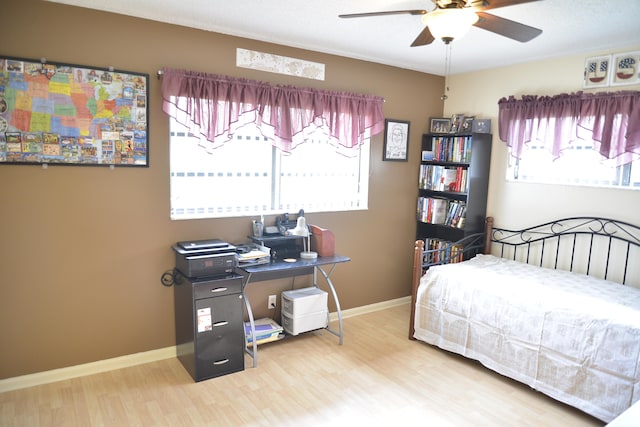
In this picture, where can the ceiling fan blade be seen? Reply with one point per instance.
(424, 38)
(506, 27)
(494, 4)
(391, 12)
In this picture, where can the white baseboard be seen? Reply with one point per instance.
(129, 360)
(91, 368)
(356, 311)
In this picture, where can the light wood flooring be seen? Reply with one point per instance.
(378, 377)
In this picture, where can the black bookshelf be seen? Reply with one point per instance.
(470, 156)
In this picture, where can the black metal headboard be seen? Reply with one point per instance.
(601, 247)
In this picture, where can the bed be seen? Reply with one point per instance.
(555, 306)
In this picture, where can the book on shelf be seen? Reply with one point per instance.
(433, 210)
(457, 210)
(449, 181)
(451, 148)
(440, 251)
(443, 178)
(439, 208)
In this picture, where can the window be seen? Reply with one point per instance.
(230, 169)
(578, 165)
(585, 139)
(247, 176)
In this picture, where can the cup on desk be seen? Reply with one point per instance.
(258, 228)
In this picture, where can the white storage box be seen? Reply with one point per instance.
(303, 301)
(299, 324)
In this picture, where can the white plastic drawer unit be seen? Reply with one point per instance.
(308, 322)
(304, 310)
(300, 302)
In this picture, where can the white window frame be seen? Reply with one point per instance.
(579, 165)
(313, 177)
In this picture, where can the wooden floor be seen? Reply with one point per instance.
(378, 377)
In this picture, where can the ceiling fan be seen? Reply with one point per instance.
(450, 19)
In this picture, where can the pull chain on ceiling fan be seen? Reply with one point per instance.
(447, 70)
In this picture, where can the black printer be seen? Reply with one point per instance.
(202, 258)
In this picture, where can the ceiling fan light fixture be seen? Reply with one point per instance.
(450, 24)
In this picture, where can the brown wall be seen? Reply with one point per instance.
(83, 248)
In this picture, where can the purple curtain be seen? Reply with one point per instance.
(214, 106)
(611, 119)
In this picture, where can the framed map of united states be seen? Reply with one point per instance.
(55, 113)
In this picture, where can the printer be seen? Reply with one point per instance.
(201, 258)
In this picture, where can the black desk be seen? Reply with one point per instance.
(281, 269)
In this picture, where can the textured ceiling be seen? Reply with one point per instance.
(569, 27)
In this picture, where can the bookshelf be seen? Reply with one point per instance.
(452, 188)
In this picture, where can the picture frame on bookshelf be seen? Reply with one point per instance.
(467, 125)
(481, 126)
(456, 123)
(427, 156)
(440, 125)
(396, 140)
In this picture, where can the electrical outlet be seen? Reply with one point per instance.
(272, 301)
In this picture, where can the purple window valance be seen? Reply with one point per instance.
(214, 106)
(610, 119)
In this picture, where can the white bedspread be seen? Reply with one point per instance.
(573, 337)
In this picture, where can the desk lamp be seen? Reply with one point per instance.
(302, 230)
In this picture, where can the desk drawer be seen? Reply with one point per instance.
(208, 288)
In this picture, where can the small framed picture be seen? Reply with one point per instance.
(481, 126)
(456, 123)
(396, 140)
(467, 125)
(596, 71)
(427, 156)
(625, 69)
(440, 125)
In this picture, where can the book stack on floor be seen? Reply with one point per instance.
(267, 330)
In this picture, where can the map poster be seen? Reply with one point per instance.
(53, 113)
